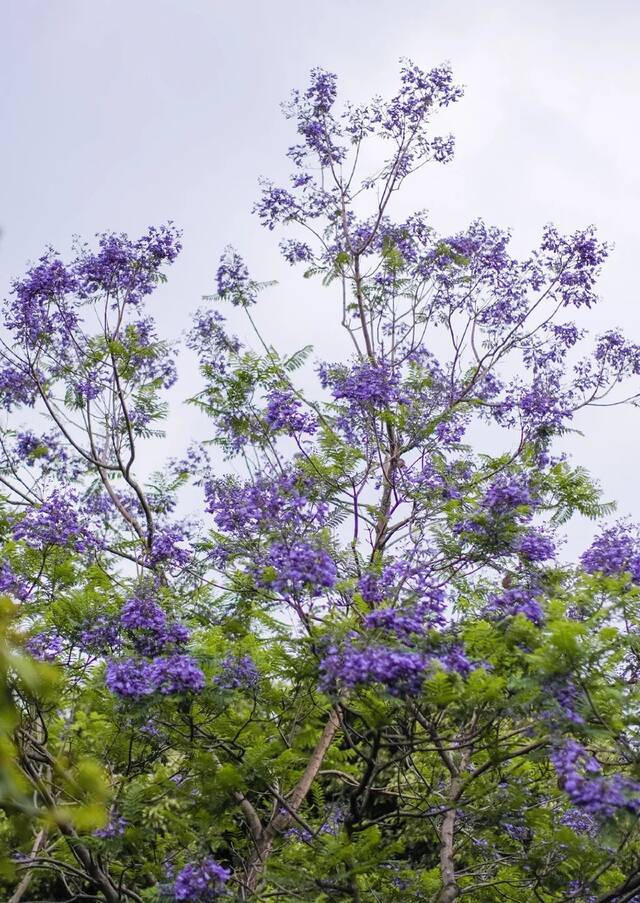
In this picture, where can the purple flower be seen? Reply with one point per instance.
(455, 659)
(566, 696)
(39, 309)
(28, 444)
(575, 262)
(276, 205)
(581, 778)
(398, 670)
(401, 622)
(150, 631)
(17, 387)
(88, 388)
(316, 124)
(56, 522)
(505, 494)
(579, 821)
(115, 827)
(142, 614)
(408, 582)
(211, 342)
(615, 551)
(178, 674)
(45, 646)
(518, 601)
(168, 548)
(521, 833)
(284, 413)
(365, 384)
(126, 269)
(535, 546)
(232, 279)
(101, 634)
(11, 583)
(131, 678)
(296, 251)
(267, 505)
(134, 678)
(298, 568)
(201, 883)
(237, 672)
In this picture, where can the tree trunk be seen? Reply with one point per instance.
(282, 820)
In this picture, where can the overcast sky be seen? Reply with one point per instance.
(116, 114)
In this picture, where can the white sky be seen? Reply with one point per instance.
(120, 114)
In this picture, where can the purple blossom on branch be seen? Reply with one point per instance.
(101, 634)
(11, 583)
(126, 269)
(45, 646)
(581, 778)
(535, 546)
(284, 412)
(279, 504)
(151, 632)
(115, 827)
(505, 494)
(135, 678)
(55, 523)
(615, 551)
(398, 670)
(518, 601)
(203, 882)
(298, 568)
(170, 547)
(237, 672)
(232, 280)
(364, 384)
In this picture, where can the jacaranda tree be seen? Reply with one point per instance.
(363, 672)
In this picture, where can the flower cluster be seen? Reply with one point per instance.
(579, 821)
(12, 583)
(232, 279)
(17, 386)
(237, 672)
(279, 504)
(203, 882)
(284, 413)
(580, 257)
(43, 307)
(101, 634)
(566, 696)
(165, 667)
(615, 551)
(299, 567)
(409, 584)
(518, 601)
(535, 546)
(365, 384)
(348, 666)
(45, 646)
(125, 268)
(506, 494)
(316, 125)
(402, 622)
(582, 780)
(55, 523)
(170, 548)
(115, 827)
(135, 678)
(150, 631)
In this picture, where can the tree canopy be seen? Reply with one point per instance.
(361, 670)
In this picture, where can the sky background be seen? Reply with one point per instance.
(123, 113)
